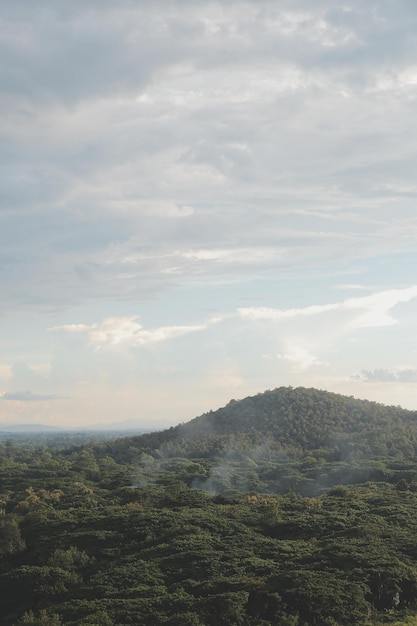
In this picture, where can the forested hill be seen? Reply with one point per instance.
(295, 507)
(294, 418)
(306, 418)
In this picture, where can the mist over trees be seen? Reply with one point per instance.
(292, 507)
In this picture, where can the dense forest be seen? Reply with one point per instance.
(295, 507)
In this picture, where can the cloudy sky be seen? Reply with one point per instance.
(204, 200)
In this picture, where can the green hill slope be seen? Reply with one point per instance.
(308, 419)
(297, 419)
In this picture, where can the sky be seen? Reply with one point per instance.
(204, 200)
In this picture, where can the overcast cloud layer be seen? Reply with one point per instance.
(203, 200)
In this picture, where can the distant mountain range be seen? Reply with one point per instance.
(128, 426)
(28, 428)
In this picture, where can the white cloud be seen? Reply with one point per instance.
(115, 330)
(265, 313)
(365, 311)
(72, 328)
(378, 306)
(128, 331)
(245, 256)
(351, 286)
(300, 358)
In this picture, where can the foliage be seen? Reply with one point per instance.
(218, 522)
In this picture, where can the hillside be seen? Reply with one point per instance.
(300, 439)
(295, 507)
(295, 419)
(307, 418)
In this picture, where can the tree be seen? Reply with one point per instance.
(44, 619)
(10, 537)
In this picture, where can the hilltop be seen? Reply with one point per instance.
(295, 419)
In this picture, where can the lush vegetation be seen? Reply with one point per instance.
(295, 508)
